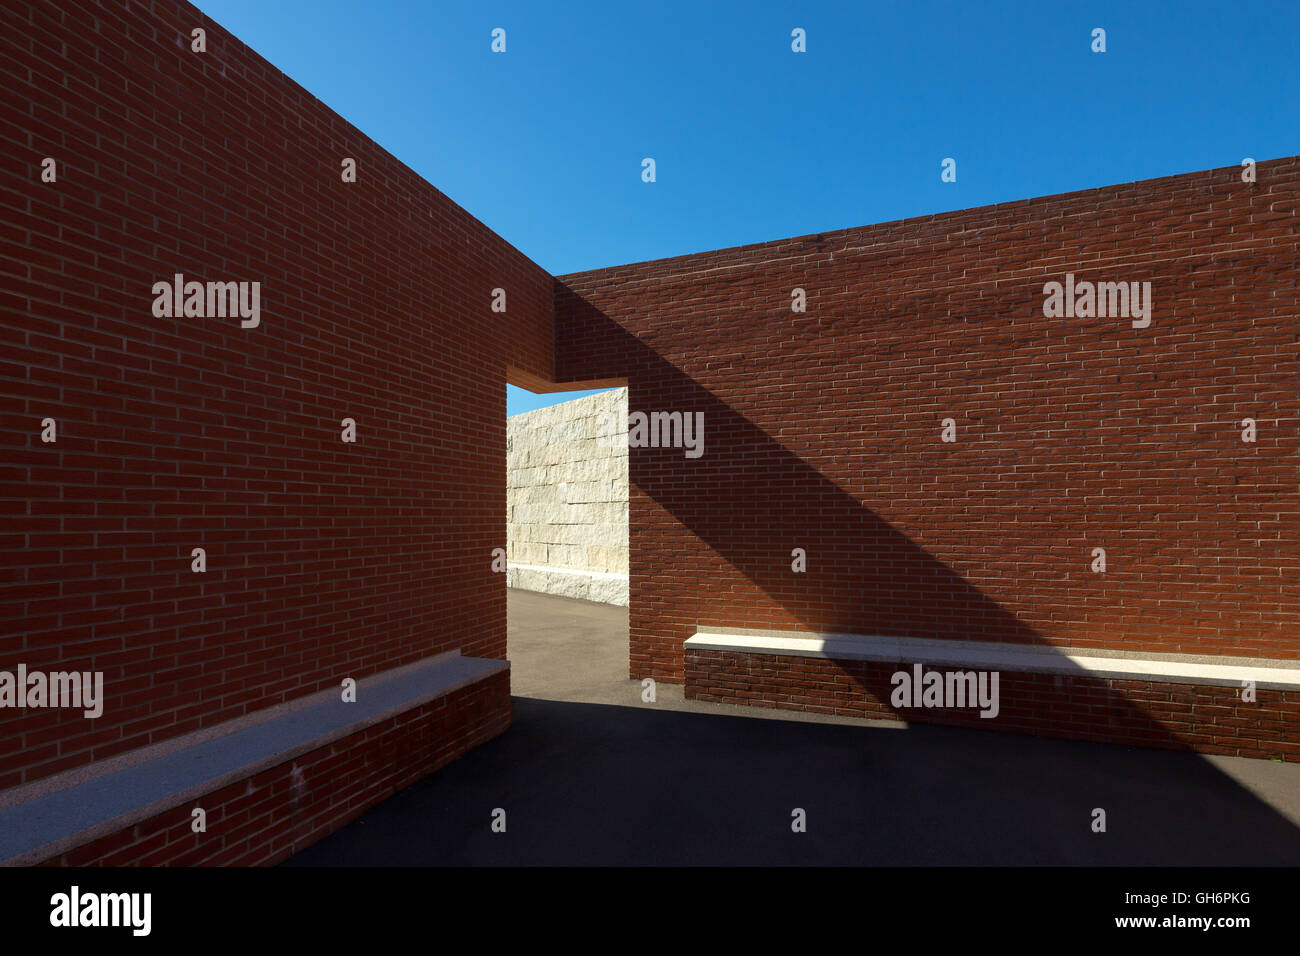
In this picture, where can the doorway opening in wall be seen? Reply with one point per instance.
(567, 544)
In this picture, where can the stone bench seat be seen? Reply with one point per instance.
(53, 814)
(1201, 669)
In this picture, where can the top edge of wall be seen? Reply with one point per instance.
(960, 218)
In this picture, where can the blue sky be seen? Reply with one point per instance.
(753, 142)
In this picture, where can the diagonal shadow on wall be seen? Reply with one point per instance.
(751, 500)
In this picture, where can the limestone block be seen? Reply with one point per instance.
(526, 553)
(566, 556)
(608, 591)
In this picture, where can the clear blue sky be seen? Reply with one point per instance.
(753, 142)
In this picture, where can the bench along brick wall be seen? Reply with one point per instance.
(824, 428)
(271, 815)
(1201, 717)
(325, 560)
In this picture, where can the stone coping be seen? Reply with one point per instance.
(58, 813)
(1207, 669)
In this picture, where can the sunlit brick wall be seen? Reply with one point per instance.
(324, 558)
(825, 428)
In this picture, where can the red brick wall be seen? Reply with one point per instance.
(1205, 719)
(271, 816)
(325, 559)
(823, 429)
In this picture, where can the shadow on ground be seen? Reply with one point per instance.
(586, 783)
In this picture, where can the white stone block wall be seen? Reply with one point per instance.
(567, 497)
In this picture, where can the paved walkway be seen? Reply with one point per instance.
(588, 774)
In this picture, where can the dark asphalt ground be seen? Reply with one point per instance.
(594, 776)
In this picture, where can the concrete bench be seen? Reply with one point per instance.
(1203, 669)
(54, 814)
